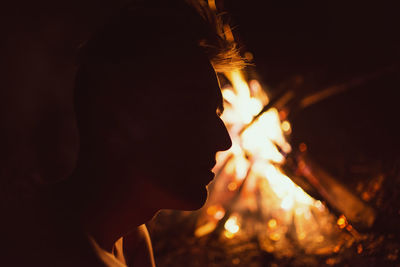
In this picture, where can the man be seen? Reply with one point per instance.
(147, 104)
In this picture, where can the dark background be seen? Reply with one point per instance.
(329, 43)
(331, 39)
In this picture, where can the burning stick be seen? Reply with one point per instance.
(337, 89)
(337, 195)
(284, 97)
(279, 101)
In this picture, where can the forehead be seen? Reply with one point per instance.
(192, 80)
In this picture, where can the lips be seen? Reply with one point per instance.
(202, 170)
(205, 176)
(202, 164)
(209, 166)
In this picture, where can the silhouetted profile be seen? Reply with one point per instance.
(147, 103)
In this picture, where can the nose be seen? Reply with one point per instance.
(224, 141)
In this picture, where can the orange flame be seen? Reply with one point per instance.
(256, 155)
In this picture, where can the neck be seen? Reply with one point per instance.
(110, 210)
(116, 197)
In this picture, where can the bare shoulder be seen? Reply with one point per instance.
(137, 248)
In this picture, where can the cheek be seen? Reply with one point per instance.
(191, 136)
(176, 137)
(181, 129)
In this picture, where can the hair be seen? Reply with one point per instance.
(222, 52)
(146, 43)
(194, 20)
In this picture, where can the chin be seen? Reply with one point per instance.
(185, 192)
(192, 200)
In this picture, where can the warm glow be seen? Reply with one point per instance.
(287, 203)
(259, 149)
(231, 225)
(228, 234)
(342, 222)
(232, 186)
(216, 211)
(336, 249)
(205, 229)
(212, 210)
(259, 145)
(251, 188)
(359, 249)
(228, 32)
(229, 96)
(319, 238)
(275, 236)
(211, 4)
(248, 56)
(243, 107)
(286, 126)
(283, 187)
(301, 236)
(219, 215)
(272, 223)
(318, 204)
(261, 138)
(242, 166)
(303, 147)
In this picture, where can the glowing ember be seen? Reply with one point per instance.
(232, 186)
(272, 223)
(359, 249)
(275, 236)
(205, 229)
(286, 126)
(259, 139)
(216, 211)
(303, 147)
(342, 222)
(231, 225)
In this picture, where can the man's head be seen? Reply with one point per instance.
(148, 105)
